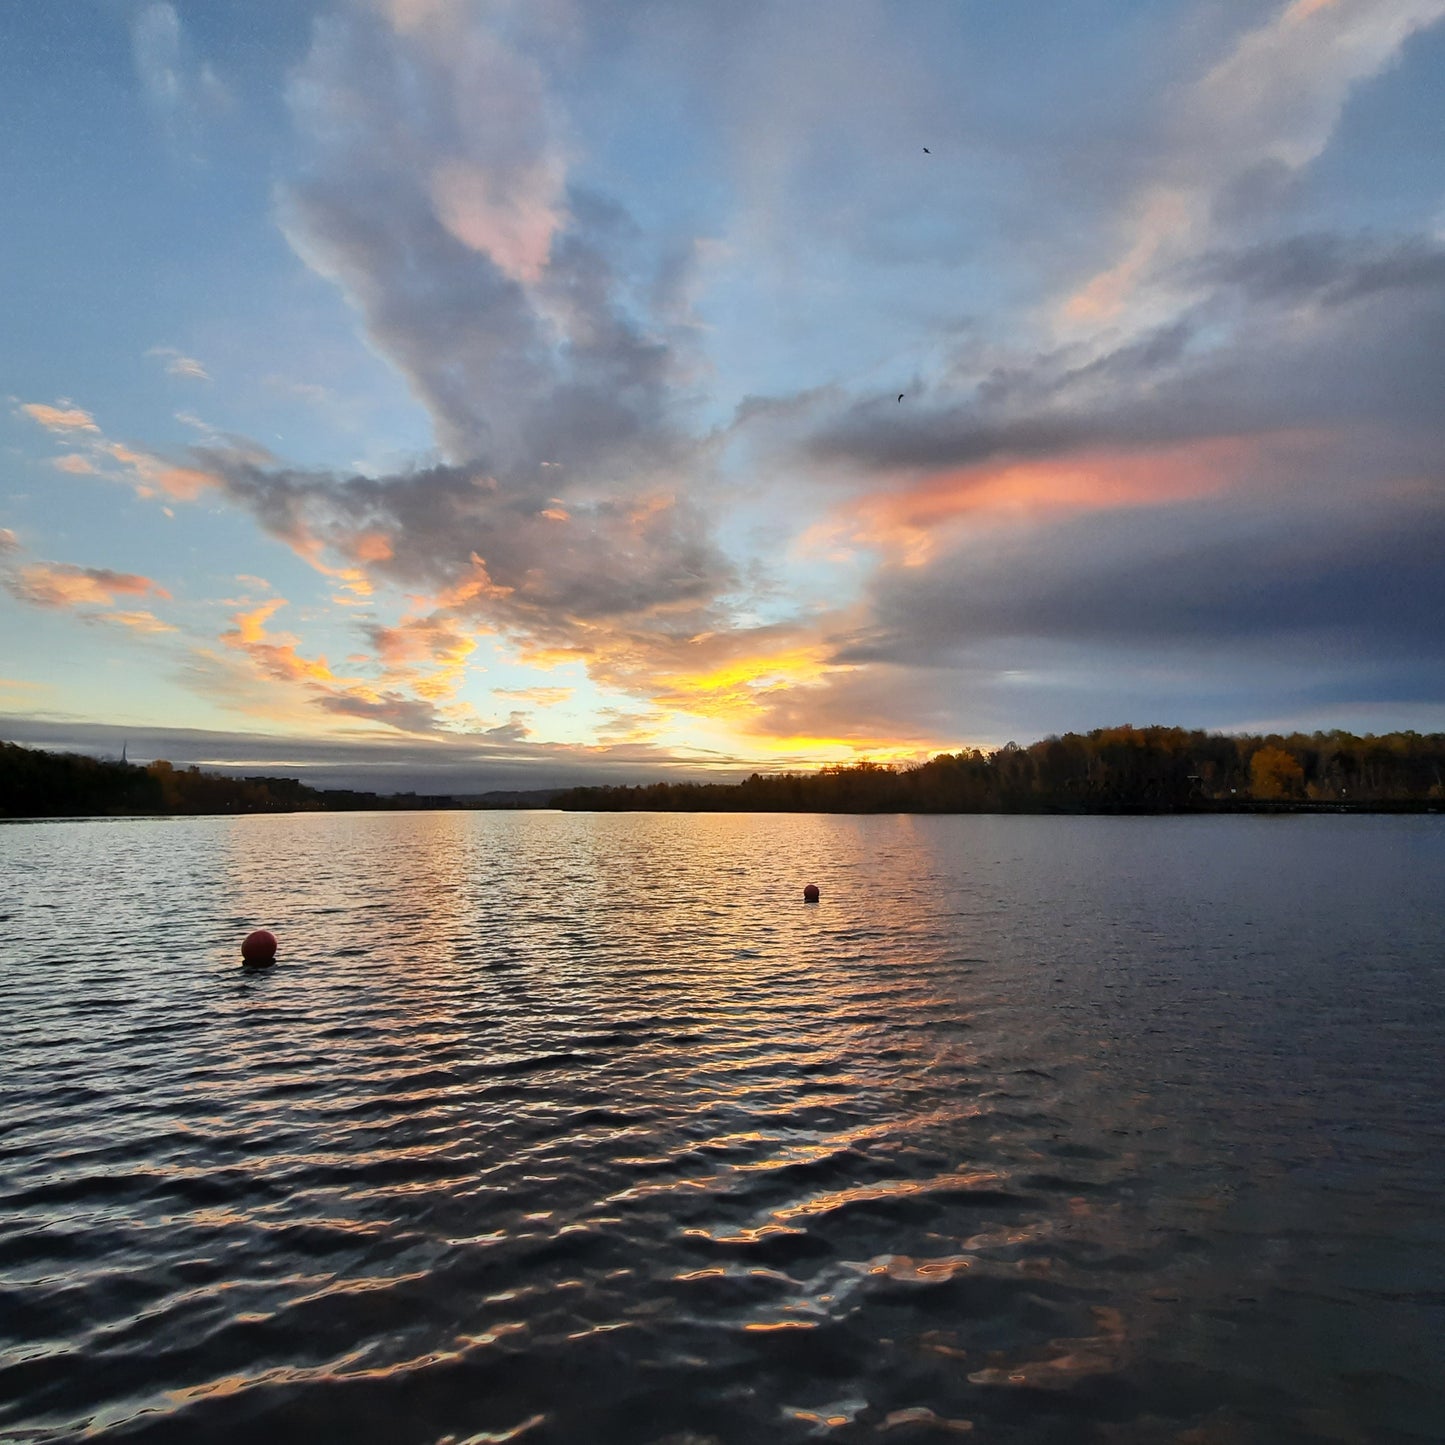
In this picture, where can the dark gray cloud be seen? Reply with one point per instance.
(1328, 269)
(395, 709)
(1022, 691)
(514, 556)
(1287, 577)
(1247, 356)
(451, 764)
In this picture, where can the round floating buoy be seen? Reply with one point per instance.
(259, 948)
(810, 893)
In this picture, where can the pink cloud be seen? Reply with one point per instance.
(61, 584)
(62, 419)
(912, 520)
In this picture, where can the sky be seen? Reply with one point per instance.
(463, 394)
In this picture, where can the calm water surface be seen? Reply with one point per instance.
(584, 1128)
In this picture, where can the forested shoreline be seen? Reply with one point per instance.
(1109, 770)
(39, 784)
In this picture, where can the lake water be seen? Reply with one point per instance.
(555, 1127)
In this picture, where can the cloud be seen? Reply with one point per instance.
(395, 709)
(1270, 106)
(63, 419)
(405, 697)
(1181, 577)
(1214, 378)
(1233, 514)
(491, 553)
(139, 622)
(183, 93)
(179, 364)
(385, 762)
(149, 473)
(274, 655)
(538, 696)
(63, 585)
(428, 654)
(1325, 269)
(436, 196)
(912, 523)
(633, 589)
(90, 592)
(1303, 333)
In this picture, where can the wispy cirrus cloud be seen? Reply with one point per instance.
(177, 363)
(147, 472)
(1262, 113)
(183, 92)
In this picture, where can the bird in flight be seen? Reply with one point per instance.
(901, 395)
(926, 151)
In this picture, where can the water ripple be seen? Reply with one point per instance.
(558, 1128)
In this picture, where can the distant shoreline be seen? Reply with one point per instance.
(1149, 771)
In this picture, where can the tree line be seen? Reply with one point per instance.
(38, 784)
(1118, 769)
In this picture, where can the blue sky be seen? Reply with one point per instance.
(467, 394)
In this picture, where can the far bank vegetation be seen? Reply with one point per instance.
(1110, 770)
(1119, 769)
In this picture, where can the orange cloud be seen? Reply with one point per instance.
(477, 584)
(736, 688)
(139, 621)
(371, 547)
(61, 419)
(61, 584)
(538, 696)
(910, 522)
(154, 474)
(150, 474)
(274, 655)
(428, 654)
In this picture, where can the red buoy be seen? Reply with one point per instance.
(810, 893)
(259, 948)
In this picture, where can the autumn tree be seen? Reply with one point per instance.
(1274, 773)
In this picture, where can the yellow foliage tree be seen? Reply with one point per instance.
(1273, 773)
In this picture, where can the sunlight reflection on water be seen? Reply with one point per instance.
(583, 1127)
